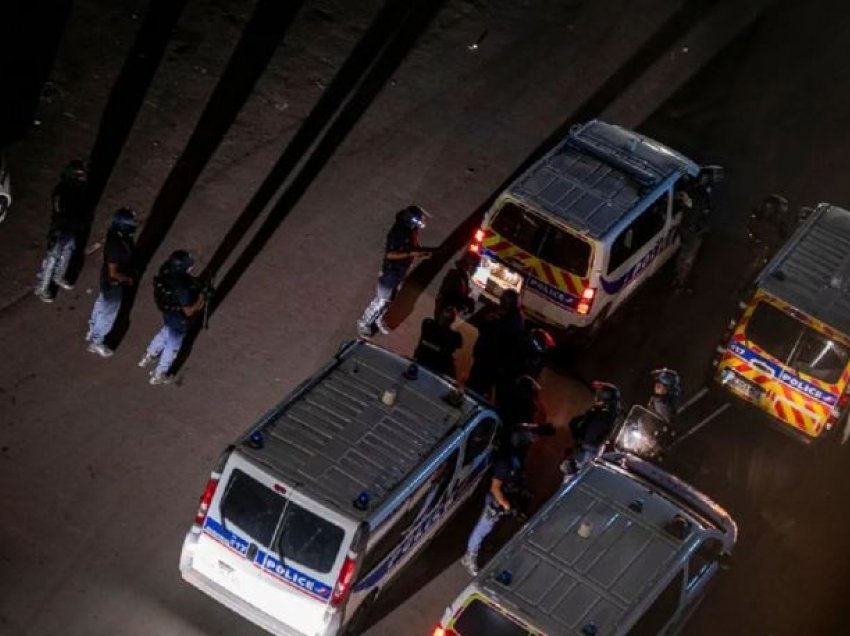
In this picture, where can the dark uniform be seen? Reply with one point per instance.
(403, 238)
(437, 345)
(70, 223)
(695, 206)
(119, 254)
(500, 338)
(456, 289)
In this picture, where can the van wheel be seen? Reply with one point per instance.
(358, 622)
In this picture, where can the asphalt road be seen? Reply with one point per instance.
(100, 473)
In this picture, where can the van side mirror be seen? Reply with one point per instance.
(724, 561)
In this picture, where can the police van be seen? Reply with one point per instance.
(317, 507)
(789, 352)
(583, 227)
(624, 548)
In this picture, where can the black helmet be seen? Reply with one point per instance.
(179, 262)
(666, 377)
(541, 340)
(413, 217)
(76, 170)
(607, 394)
(124, 220)
(470, 259)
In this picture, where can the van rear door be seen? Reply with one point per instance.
(273, 548)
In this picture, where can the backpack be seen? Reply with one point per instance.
(165, 293)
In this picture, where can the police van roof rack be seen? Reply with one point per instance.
(635, 167)
(695, 500)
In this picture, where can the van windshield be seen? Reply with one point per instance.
(795, 344)
(302, 537)
(534, 235)
(480, 619)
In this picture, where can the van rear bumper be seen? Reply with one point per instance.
(233, 602)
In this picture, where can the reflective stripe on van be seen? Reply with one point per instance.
(268, 563)
(553, 283)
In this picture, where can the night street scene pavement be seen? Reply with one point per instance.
(275, 141)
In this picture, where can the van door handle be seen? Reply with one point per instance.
(251, 552)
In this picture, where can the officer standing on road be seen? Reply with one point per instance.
(118, 272)
(180, 297)
(438, 343)
(694, 204)
(592, 429)
(507, 495)
(666, 389)
(70, 222)
(500, 336)
(402, 248)
(456, 288)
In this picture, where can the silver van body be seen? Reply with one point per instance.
(625, 548)
(310, 513)
(584, 226)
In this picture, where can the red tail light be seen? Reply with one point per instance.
(477, 239)
(343, 583)
(479, 235)
(844, 400)
(206, 500)
(475, 248)
(443, 631)
(586, 301)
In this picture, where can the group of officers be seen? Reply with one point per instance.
(507, 360)
(180, 296)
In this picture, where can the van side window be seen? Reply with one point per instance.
(420, 504)
(479, 439)
(662, 610)
(703, 558)
(642, 230)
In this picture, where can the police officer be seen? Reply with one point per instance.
(456, 288)
(525, 358)
(591, 429)
(507, 493)
(438, 343)
(402, 248)
(666, 389)
(180, 297)
(118, 272)
(70, 222)
(694, 204)
(500, 337)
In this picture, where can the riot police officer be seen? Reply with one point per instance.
(500, 338)
(118, 272)
(180, 297)
(401, 249)
(666, 389)
(438, 343)
(70, 222)
(694, 204)
(456, 288)
(592, 429)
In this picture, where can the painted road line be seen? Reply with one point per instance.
(694, 429)
(693, 400)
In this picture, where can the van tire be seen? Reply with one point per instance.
(358, 622)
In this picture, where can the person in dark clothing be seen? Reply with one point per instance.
(401, 250)
(500, 336)
(438, 343)
(118, 272)
(666, 389)
(180, 297)
(69, 225)
(521, 405)
(507, 493)
(591, 430)
(456, 288)
(693, 202)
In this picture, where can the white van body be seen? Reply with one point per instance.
(624, 548)
(311, 512)
(584, 227)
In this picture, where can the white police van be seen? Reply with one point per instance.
(584, 226)
(309, 515)
(624, 548)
